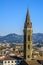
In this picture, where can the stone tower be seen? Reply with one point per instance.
(27, 38)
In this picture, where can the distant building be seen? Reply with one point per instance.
(41, 51)
(19, 48)
(35, 54)
(28, 38)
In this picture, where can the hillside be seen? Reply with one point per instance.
(14, 38)
(11, 38)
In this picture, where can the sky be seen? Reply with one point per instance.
(13, 15)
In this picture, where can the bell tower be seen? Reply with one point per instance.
(28, 38)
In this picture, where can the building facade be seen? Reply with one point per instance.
(10, 61)
(27, 38)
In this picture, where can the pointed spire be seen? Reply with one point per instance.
(28, 21)
(28, 16)
(27, 12)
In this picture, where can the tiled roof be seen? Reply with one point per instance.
(39, 58)
(6, 58)
(31, 62)
(10, 58)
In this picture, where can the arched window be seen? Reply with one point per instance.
(28, 46)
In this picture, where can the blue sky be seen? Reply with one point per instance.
(13, 14)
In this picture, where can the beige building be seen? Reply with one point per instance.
(41, 51)
(35, 54)
(19, 48)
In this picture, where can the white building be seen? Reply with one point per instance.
(10, 61)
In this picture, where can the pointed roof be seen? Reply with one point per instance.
(28, 16)
(28, 21)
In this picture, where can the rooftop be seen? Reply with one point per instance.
(10, 58)
(39, 58)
